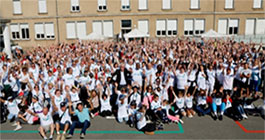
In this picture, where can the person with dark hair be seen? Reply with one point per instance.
(142, 125)
(83, 119)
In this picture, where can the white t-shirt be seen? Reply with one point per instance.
(245, 72)
(180, 102)
(201, 81)
(46, 120)
(228, 81)
(122, 109)
(74, 96)
(137, 76)
(182, 80)
(155, 105)
(211, 76)
(12, 107)
(218, 101)
(188, 101)
(201, 100)
(140, 123)
(105, 104)
(65, 117)
(69, 80)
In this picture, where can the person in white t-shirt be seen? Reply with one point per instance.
(69, 78)
(245, 75)
(142, 125)
(105, 109)
(12, 107)
(228, 81)
(64, 121)
(46, 122)
(122, 108)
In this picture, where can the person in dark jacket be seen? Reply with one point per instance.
(122, 76)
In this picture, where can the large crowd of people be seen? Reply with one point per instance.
(143, 83)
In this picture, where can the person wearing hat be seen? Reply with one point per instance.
(122, 108)
(83, 119)
(12, 107)
(64, 121)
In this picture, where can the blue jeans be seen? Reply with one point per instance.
(78, 124)
(203, 111)
(240, 110)
(120, 120)
(221, 107)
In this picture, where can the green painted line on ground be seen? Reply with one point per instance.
(180, 131)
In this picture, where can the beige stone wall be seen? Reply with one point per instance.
(88, 12)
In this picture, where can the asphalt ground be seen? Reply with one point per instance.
(193, 128)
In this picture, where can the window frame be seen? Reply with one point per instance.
(44, 31)
(102, 10)
(126, 8)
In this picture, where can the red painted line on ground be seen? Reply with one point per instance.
(248, 131)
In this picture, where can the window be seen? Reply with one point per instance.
(24, 28)
(229, 4)
(19, 31)
(143, 26)
(260, 28)
(222, 25)
(126, 26)
(228, 26)
(42, 6)
(161, 27)
(15, 31)
(108, 28)
(44, 30)
(233, 27)
(49, 31)
(125, 4)
(103, 27)
(17, 7)
(166, 4)
(75, 6)
(97, 27)
(70, 30)
(142, 4)
(75, 29)
(102, 5)
(81, 29)
(199, 26)
(172, 27)
(257, 3)
(188, 27)
(250, 27)
(194, 4)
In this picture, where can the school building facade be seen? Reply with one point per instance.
(29, 23)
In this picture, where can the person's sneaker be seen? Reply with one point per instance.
(17, 128)
(221, 117)
(131, 125)
(245, 116)
(214, 117)
(14, 124)
(92, 115)
(58, 137)
(180, 121)
(82, 136)
(190, 116)
(50, 138)
(69, 136)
